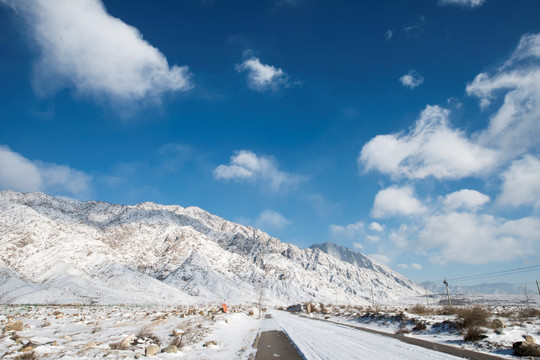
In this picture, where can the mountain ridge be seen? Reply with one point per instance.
(99, 252)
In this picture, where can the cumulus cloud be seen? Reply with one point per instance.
(350, 231)
(514, 126)
(83, 47)
(465, 199)
(478, 238)
(248, 166)
(430, 148)
(262, 77)
(270, 219)
(375, 226)
(416, 266)
(358, 246)
(521, 183)
(463, 3)
(412, 79)
(402, 266)
(21, 174)
(396, 201)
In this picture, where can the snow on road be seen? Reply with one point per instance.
(318, 340)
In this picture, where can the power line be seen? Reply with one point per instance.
(498, 273)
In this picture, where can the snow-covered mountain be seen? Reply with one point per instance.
(480, 289)
(57, 250)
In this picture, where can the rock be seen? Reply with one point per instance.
(178, 332)
(14, 326)
(67, 338)
(127, 341)
(498, 324)
(210, 343)
(151, 350)
(523, 348)
(59, 316)
(28, 347)
(529, 339)
(170, 349)
(90, 344)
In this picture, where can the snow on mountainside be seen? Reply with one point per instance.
(56, 250)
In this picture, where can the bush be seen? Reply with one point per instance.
(474, 334)
(420, 309)
(473, 316)
(146, 334)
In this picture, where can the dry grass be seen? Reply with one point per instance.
(474, 334)
(146, 334)
(420, 309)
(26, 356)
(473, 316)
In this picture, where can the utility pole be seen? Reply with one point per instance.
(372, 299)
(447, 292)
(427, 303)
(538, 287)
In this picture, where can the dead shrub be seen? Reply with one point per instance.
(420, 326)
(474, 333)
(420, 309)
(446, 310)
(146, 334)
(474, 316)
(528, 313)
(26, 356)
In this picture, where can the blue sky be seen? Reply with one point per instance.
(405, 129)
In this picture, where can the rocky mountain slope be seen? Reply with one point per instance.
(56, 250)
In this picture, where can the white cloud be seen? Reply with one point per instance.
(358, 246)
(270, 219)
(416, 266)
(380, 258)
(411, 79)
(350, 231)
(464, 3)
(465, 199)
(375, 226)
(430, 148)
(514, 127)
(262, 77)
(21, 174)
(247, 166)
(521, 183)
(478, 238)
(402, 266)
(372, 238)
(396, 201)
(388, 35)
(83, 47)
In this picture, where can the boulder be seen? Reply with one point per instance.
(529, 339)
(28, 347)
(14, 326)
(523, 348)
(170, 349)
(127, 341)
(498, 324)
(152, 350)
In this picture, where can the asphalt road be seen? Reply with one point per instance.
(274, 345)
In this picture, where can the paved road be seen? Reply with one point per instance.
(319, 340)
(274, 344)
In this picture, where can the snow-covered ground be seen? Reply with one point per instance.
(326, 341)
(204, 332)
(124, 332)
(445, 329)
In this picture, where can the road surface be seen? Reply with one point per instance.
(318, 340)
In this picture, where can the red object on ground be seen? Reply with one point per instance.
(224, 307)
